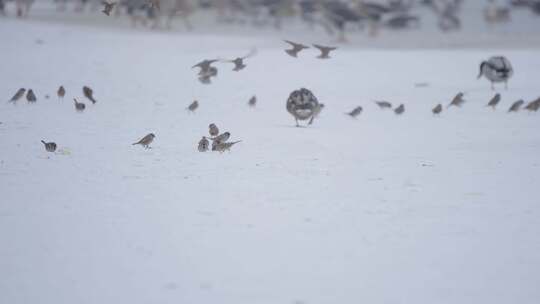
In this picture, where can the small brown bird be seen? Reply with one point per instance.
(516, 106)
(252, 101)
(193, 106)
(224, 146)
(384, 104)
(533, 105)
(89, 93)
(325, 51)
(203, 144)
(107, 7)
(146, 141)
(399, 110)
(355, 112)
(222, 137)
(49, 146)
(61, 92)
(30, 96)
(494, 101)
(20, 93)
(239, 61)
(296, 48)
(457, 101)
(213, 130)
(79, 106)
(437, 110)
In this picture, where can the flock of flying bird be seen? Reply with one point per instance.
(301, 104)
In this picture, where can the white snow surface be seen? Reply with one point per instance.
(378, 209)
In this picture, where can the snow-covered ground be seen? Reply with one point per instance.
(381, 209)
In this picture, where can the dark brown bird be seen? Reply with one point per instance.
(355, 112)
(457, 101)
(437, 110)
(252, 101)
(384, 104)
(89, 93)
(107, 7)
(20, 93)
(79, 106)
(49, 146)
(61, 92)
(399, 110)
(516, 106)
(296, 48)
(494, 101)
(239, 61)
(146, 141)
(213, 130)
(30, 96)
(325, 51)
(193, 106)
(533, 105)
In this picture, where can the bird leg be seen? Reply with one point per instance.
(296, 119)
(506, 85)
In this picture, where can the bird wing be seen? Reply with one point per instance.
(251, 53)
(325, 48)
(296, 45)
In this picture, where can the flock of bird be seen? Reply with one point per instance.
(301, 104)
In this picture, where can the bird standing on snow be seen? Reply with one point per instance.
(193, 106)
(399, 110)
(18, 95)
(89, 93)
(437, 110)
(325, 51)
(203, 144)
(213, 130)
(252, 101)
(494, 101)
(79, 106)
(516, 106)
(384, 104)
(107, 7)
(303, 105)
(49, 146)
(61, 92)
(457, 101)
(30, 96)
(496, 69)
(224, 146)
(296, 48)
(533, 105)
(146, 141)
(355, 112)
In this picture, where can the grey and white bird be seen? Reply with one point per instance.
(30, 96)
(61, 92)
(239, 61)
(222, 137)
(496, 69)
(79, 106)
(107, 7)
(296, 48)
(437, 109)
(399, 110)
(303, 105)
(533, 106)
(383, 104)
(252, 101)
(213, 130)
(325, 51)
(20, 93)
(457, 100)
(89, 93)
(224, 146)
(49, 146)
(516, 106)
(494, 101)
(203, 144)
(193, 106)
(146, 141)
(355, 112)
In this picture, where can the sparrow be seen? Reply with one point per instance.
(203, 144)
(494, 101)
(399, 110)
(30, 96)
(213, 130)
(384, 104)
(325, 51)
(533, 105)
(49, 146)
(457, 101)
(61, 92)
(205, 66)
(252, 101)
(221, 138)
(145, 141)
(88, 93)
(224, 146)
(239, 61)
(316, 111)
(355, 112)
(516, 105)
(193, 106)
(296, 48)
(108, 6)
(437, 110)
(79, 106)
(18, 95)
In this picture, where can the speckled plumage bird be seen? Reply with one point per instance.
(146, 141)
(437, 109)
(79, 106)
(516, 106)
(355, 112)
(213, 130)
(496, 69)
(325, 51)
(89, 93)
(61, 92)
(296, 48)
(494, 101)
(222, 137)
(49, 146)
(303, 105)
(457, 100)
(383, 104)
(224, 146)
(30, 96)
(193, 106)
(399, 110)
(203, 144)
(533, 106)
(107, 7)
(20, 93)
